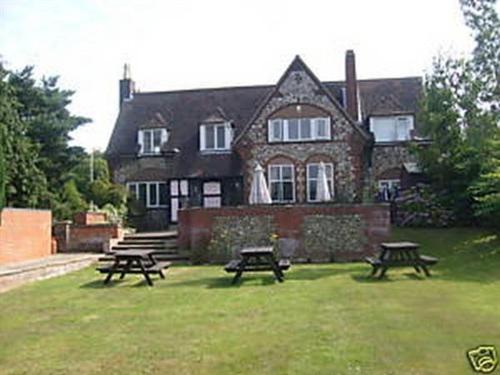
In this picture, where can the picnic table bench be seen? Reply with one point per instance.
(400, 254)
(133, 262)
(256, 259)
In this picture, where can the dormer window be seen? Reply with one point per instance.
(392, 128)
(299, 129)
(151, 140)
(215, 137)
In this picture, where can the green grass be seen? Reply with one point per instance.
(324, 319)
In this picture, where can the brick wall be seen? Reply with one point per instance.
(24, 234)
(93, 237)
(322, 232)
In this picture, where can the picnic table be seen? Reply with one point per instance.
(400, 254)
(257, 259)
(134, 262)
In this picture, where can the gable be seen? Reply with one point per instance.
(300, 87)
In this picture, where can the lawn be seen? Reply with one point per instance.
(324, 319)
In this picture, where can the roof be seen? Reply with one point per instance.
(412, 168)
(184, 110)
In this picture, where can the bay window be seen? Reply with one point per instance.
(150, 194)
(298, 129)
(282, 183)
(312, 180)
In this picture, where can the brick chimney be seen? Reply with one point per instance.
(127, 86)
(351, 85)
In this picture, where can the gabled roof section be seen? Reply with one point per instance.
(297, 80)
(155, 121)
(216, 116)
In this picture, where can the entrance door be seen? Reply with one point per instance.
(179, 193)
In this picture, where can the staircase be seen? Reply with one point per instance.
(166, 242)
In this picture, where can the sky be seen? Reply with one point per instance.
(184, 44)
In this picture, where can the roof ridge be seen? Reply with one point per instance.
(203, 89)
(262, 86)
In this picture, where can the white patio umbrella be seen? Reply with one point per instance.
(323, 190)
(259, 193)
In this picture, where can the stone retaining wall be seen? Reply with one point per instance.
(308, 233)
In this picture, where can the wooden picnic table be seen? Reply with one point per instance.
(256, 259)
(134, 262)
(400, 254)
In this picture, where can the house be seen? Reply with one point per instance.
(199, 147)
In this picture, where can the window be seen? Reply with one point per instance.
(212, 194)
(151, 194)
(282, 183)
(388, 189)
(299, 129)
(215, 137)
(391, 129)
(151, 140)
(312, 180)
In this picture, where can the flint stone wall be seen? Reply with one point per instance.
(305, 233)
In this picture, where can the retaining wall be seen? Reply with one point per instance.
(308, 233)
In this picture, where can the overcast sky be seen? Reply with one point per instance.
(185, 44)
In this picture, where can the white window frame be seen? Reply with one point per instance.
(284, 133)
(135, 185)
(143, 133)
(390, 183)
(228, 137)
(308, 178)
(270, 180)
(396, 120)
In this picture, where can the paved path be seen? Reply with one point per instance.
(16, 274)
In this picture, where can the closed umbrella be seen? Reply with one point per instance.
(323, 190)
(259, 193)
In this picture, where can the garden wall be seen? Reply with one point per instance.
(308, 233)
(24, 234)
(89, 232)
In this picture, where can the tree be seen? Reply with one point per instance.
(71, 202)
(23, 183)
(460, 113)
(43, 109)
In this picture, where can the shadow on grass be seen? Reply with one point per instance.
(368, 279)
(225, 282)
(99, 284)
(306, 273)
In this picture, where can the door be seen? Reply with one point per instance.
(179, 193)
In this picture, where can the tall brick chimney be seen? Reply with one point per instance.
(351, 85)
(127, 86)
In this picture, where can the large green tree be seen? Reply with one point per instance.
(459, 112)
(48, 121)
(21, 181)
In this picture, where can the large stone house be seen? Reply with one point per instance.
(199, 147)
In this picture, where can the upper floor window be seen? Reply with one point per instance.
(282, 183)
(391, 128)
(215, 137)
(150, 194)
(151, 140)
(312, 180)
(298, 129)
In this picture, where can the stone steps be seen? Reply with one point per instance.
(165, 242)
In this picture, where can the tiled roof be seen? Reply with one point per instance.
(184, 110)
